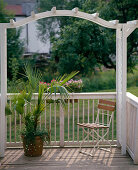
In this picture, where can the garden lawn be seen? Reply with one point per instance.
(133, 90)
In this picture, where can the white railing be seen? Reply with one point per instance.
(80, 107)
(132, 126)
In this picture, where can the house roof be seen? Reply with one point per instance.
(16, 9)
(18, 2)
(21, 7)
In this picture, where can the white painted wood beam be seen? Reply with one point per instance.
(136, 140)
(131, 26)
(129, 31)
(90, 17)
(33, 14)
(124, 86)
(3, 55)
(53, 10)
(12, 22)
(118, 84)
(95, 15)
(134, 22)
(75, 10)
(114, 22)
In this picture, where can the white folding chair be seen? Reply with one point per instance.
(103, 120)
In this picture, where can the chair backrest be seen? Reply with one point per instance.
(105, 112)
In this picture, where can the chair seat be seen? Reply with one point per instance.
(92, 125)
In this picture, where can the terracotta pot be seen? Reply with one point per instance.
(75, 100)
(34, 148)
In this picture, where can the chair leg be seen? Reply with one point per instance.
(83, 141)
(110, 146)
(102, 138)
(88, 133)
(96, 146)
(94, 149)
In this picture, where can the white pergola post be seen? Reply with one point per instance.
(121, 85)
(121, 82)
(3, 55)
(124, 86)
(118, 84)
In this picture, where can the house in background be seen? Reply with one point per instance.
(33, 45)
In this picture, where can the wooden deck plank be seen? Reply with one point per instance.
(67, 158)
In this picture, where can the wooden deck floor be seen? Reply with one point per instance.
(67, 158)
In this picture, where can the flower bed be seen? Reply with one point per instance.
(72, 85)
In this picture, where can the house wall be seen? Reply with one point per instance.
(33, 44)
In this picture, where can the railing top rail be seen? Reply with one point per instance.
(132, 99)
(102, 95)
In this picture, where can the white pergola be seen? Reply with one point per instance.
(123, 30)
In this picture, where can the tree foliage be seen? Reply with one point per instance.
(49, 27)
(81, 45)
(14, 44)
(123, 10)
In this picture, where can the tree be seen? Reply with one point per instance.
(123, 10)
(14, 44)
(83, 45)
(49, 27)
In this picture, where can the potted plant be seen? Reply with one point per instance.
(33, 138)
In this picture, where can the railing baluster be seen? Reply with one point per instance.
(93, 115)
(73, 120)
(78, 121)
(61, 126)
(113, 127)
(55, 119)
(15, 126)
(45, 113)
(93, 110)
(88, 118)
(10, 122)
(20, 126)
(6, 118)
(83, 116)
(133, 127)
(102, 122)
(10, 127)
(50, 121)
(68, 117)
(98, 122)
(107, 123)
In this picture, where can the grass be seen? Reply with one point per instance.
(106, 81)
(133, 90)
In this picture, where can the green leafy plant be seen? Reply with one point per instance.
(31, 110)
